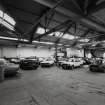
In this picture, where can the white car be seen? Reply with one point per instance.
(72, 63)
(47, 63)
(9, 68)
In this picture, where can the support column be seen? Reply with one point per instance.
(56, 53)
(84, 53)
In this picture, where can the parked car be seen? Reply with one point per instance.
(97, 66)
(9, 68)
(47, 63)
(15, 60)
(59, 64)
(41, 59)
(72, 63)
(29, 64)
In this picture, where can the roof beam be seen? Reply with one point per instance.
(57, 28)
(34, 27)
(77, 6)
(26, 11)
(97, 8)
(65, 31)
(75, 17)
(20, 9)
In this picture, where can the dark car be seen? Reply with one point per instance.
(9, 68)
(29, 64)
(97, 66)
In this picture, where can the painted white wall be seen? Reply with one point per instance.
(9, 52)
(72, 52)
(31, 51)
(26, 52)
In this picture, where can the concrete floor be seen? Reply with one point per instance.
(54, 86)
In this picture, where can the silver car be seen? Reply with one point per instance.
(9, 68)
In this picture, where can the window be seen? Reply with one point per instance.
(1, 14)
(7, 25)
(41, 30)
(84, 40)
(68, 36)
(7, 21)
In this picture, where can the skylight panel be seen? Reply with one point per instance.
(84, 40)
(9, 19)
(68, 36)
(8, 25)
(1, 13)
(1, 20)
(40, 30)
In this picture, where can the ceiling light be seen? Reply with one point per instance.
(15, 39)
(50, 43)
(84, 40)
(47, 43)
(8, 38)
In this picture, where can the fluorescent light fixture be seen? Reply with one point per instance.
(50, 43)
(8, 38)
(84, 40)
(15, 39)
(68, 36)
(35, 41)
(47, 43)
(24, 40)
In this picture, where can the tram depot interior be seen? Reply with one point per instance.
(52, 52)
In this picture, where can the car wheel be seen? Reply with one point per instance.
(35, 68)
